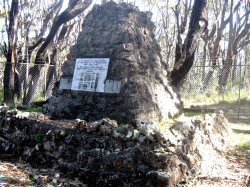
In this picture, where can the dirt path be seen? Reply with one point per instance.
(16, 174)
(234, 171)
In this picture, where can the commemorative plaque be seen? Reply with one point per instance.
(90, 74)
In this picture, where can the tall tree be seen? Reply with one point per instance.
(212, 40)
(9, 71)
(59, 45)
(185, 55)
(239, 37)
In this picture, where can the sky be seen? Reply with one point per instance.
(140, 3)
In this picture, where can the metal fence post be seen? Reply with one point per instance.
(45, 80)
(239, 92)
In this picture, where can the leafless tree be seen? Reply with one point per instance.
(185, 52)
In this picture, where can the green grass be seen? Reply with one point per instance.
(246, 145)
(192, 114)
(208, 98)
(32, 109)
(38, 98)
(239, 139)
(241, 149)
(167, 121)
(198, 98)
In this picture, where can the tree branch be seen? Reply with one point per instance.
(68, 14)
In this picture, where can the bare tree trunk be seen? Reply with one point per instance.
(186, 60)
(237, 35)
(9, 83)
(224, 75)
(227, 65)
(35, 74)
(234, 69)
(51, 75)
(217, 31)
(9, 71)
(245, 64)
(51, 81)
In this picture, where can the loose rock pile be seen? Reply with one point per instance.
(105, 153)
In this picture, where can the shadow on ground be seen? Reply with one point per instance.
(236, 111)
(241, 131)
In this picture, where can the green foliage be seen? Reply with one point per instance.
(38, 137)
(62, 133)
(32, 179)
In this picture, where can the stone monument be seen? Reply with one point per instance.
(115, 70)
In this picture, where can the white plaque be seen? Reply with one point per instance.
(90, 74)
(65, 83)
(112, 86)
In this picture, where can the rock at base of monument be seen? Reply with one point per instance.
(106, 153)
(123, 108)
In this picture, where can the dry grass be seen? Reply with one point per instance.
(12, 174)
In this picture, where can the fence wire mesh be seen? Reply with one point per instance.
(26, 85)
(217, 87)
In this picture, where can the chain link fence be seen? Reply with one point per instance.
(219, 87)
(24, 75)
(203, 86)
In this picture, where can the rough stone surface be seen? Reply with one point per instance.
(125, 35)
(104, 153)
